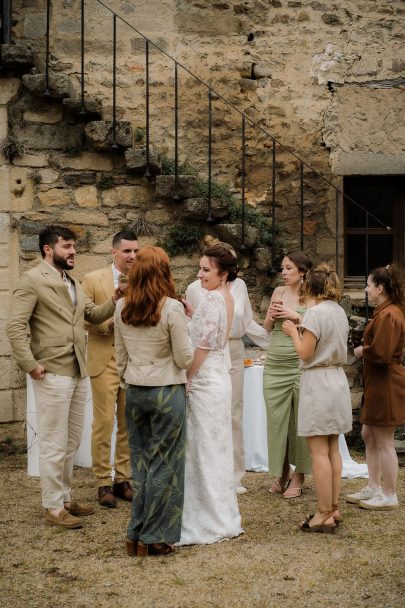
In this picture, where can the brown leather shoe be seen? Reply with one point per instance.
(123, 490)
(64, 519)
(106, 497)
(79, 510)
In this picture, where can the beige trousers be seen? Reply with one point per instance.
(108, 401)
(60, 403)
(237, 352)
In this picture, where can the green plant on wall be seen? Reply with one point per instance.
(253, 217)
(181, 238)
(168, 166)
(11, 148)
(105, 182)
(220, 192)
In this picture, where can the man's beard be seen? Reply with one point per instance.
(62, 263)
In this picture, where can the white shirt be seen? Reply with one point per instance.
(243, 322)
(69, 284)
(116, 274)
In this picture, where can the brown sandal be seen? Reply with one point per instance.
(154, 549)
(132, 547)
(338, 518)
(322, 527)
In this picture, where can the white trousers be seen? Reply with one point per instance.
(237, 352)
(60, 403)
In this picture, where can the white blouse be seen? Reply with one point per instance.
(243, 322)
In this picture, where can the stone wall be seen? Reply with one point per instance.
(325, 79)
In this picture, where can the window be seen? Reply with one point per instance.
(383, 197)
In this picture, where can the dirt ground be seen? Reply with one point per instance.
(272, 564)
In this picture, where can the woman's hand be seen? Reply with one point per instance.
(289, 328)
(358, 352)
(188, 308)
(279, 311)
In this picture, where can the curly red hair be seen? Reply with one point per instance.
(149, 281)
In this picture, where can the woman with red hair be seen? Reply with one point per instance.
(153, 352)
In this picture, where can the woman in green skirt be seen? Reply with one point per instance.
(153, 351)
(281, 381)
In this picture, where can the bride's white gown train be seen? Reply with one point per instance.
(210, 511)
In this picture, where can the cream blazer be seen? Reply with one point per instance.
(44, 327)
(154, 356)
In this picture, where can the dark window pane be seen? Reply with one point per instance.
(379, 253)
(376, 194)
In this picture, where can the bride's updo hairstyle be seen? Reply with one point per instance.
(224, 260)
(322, 282)
(149, 281)
(389, 278)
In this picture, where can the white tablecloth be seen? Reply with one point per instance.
(255, 429)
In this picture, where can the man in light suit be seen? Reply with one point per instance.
(108, 396)
(54, 306)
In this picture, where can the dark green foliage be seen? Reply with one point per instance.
(181, 238)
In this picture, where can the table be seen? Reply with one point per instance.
(255, 429)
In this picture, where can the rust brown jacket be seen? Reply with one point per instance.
(384, 374)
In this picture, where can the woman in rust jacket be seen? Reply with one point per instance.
(384, 389)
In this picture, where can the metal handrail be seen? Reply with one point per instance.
(212, 93)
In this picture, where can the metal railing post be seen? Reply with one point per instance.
(6, 21)
(209, 218)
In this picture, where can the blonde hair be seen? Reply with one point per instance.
(209, 241)
(322, 282)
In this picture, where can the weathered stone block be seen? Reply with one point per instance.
(48, 176)
(232, 233)
(186, 188)
(4, 228)
(89, 161)
(261, 70)
(81, 178)
(52, 115)
(60, 136)
(4, 188)
(9, 90)
(86, 196)
(135, 159)
(29, 243)
(19, 397)
(5, 348)
(58, 84)
(18, 55)
(6, 406)
(4, 256)
(3, 124)
(128, 196)
(159, 217)
(398, 65)
(31, 160)
(262, 259)
(102, 246)
(54, 197)
(4, 304)
(86, 219)
(246, 85)
(35, 25)
(4, 279)
(21, 189)
(99, 134)
(197, 208)
(88, 263)
(92, 107)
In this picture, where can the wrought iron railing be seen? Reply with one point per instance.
(212, 95)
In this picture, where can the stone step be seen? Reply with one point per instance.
(17, 56)
(59, 85)
(99, 134)
(135, 159)
(93, 108)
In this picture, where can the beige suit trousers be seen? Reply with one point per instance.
(60, 403)
(108, 401)
(237, 352)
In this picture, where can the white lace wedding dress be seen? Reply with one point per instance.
(210, 505)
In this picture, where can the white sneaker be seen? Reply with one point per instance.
(241, 490)
(364, 494)
(380, 502)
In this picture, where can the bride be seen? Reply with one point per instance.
(210, 506)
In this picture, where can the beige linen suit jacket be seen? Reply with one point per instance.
(99, 287)
(154, 356)
(56, 326)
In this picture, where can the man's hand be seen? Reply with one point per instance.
(117, 295)
(38, 373)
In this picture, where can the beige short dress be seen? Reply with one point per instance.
(325, 404)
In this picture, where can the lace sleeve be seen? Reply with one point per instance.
(207, 330)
